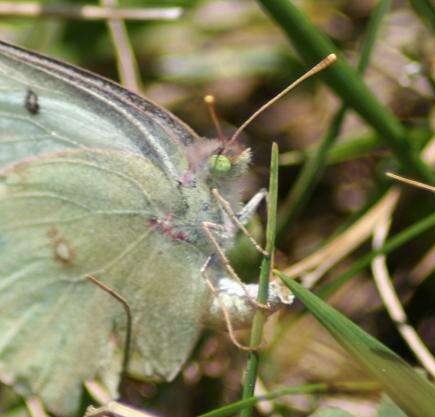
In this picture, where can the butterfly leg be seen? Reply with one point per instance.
(236, 306)
(241, 218)
(208, 227)
(251, 206)
(222, 308)
(129, 320)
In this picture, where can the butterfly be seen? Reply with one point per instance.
(96, 181)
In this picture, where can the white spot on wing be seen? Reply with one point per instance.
(63, 252)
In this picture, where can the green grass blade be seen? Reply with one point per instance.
(266, 266)
(314, 46)
(371, 34)
(341, 152)
(344, 386)
(233, 408)
(307, 179)
(388, 408)
(426, 10)
(352, 148)
(408, 389)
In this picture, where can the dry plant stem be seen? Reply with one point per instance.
(226, 206)
(35, 407)
(327, 256)
(409, 181)
(348, 241)
(326, 62)
(69, 11)
(127, 65)
(351, 238)
(119, 298)
(207, 227)
(391, 300)
(227, 317)
(115, 408)
(97, 392)
(265, 407)
(411, 232)
(424, 267)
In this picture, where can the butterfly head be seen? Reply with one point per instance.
(209, 157)
(229, 165)
(218, 167)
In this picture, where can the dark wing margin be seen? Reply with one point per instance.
(71, 107)
(91, 81)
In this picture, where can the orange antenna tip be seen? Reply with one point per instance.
(331, 58)
(211, 104)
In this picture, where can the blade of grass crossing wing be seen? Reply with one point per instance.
(408, 389)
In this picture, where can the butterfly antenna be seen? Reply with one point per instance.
(326, 62)
(129, 317)
(211, 105)
(410, 181)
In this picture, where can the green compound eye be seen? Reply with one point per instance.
(220, 164)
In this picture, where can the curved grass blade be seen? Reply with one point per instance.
(408, 389)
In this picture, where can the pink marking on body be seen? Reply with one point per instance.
(164, 225)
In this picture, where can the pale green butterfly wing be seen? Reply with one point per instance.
(115, 215)
(46, 105)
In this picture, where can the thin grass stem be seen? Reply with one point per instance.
(345, 386)
(128, 68)
(393, 243)
(265, 272)
(391, 300)
(85, 12)
(367, 144)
